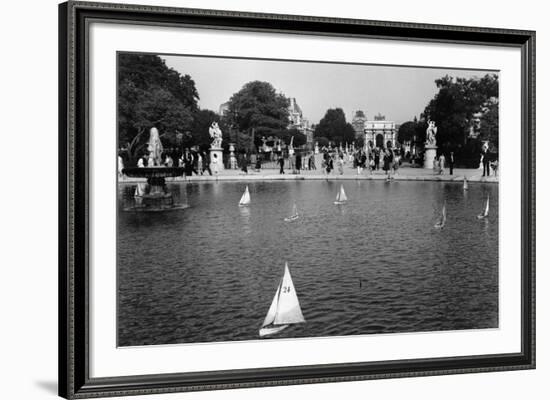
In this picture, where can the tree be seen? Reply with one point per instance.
(286, 135)
(152, 94)
(299, 138)
(258, 109)
(333, 127)
(407, 131)
(322, 141)
(202, 120)
(488, 126)
(455, 106)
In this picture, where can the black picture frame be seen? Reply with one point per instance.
(74, 379)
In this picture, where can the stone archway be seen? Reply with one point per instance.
(380, 140)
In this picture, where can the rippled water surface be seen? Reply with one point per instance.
(375, 265)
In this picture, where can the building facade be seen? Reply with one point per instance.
(297, 121)
(379, 132)
(358, 123)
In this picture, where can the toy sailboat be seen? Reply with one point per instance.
(294, 216)
(245, 199)
(485, 212)
(465, 184)
(441, 223)
(285, 308)
(341, 197)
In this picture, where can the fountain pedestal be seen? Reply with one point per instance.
(430, 152)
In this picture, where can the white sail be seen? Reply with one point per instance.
(245, 199)
(285, 307)
(465, 185)
(288, 307)
(270, 317)
(341, 196)
(294, 210)
(485, 211)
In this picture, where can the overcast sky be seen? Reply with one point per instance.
(399, 93)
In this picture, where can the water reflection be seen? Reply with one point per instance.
(245, 220)
(373, 265)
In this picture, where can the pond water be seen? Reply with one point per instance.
(374, 265)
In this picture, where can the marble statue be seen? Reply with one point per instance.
(216, 135)
(430, 133)
(154, 148)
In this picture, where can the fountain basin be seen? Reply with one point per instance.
(154, 196)
(153, 172)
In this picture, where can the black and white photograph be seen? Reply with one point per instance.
(243, 200)
(262, 199)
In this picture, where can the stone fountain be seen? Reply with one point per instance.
(154, 196)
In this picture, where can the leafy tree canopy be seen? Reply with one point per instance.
(152, 94)
(333, 127)
(258, 107)
(322, 141)
(406, 132)
(287, 134)
(488, 129)
(412, 131)
(455, 106)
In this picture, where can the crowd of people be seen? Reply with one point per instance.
(193, 162)
(297, 162)
(330, 161)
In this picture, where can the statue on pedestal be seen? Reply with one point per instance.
(216, 135)
(430, 133)
(316, 147)
(154, 148)
(430, 148)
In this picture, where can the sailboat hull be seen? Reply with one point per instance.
(339, 202)
(292, 218)
(272, 330)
